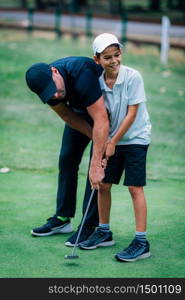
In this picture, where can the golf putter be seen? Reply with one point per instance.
(73, 255)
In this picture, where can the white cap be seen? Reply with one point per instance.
(103, 41)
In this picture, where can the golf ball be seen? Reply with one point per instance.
(4, 170)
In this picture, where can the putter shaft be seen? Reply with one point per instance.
(81, 226)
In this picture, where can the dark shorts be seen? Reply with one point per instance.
(132, 160)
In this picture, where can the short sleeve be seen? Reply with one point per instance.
(136, 91)
(88, 86)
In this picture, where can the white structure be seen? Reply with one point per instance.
(165, 39)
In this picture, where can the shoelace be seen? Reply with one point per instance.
(96, 235)
(132, 248)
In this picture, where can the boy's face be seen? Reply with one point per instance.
(110, 59)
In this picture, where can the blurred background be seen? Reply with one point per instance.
(138, 21)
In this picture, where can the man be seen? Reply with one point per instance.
(70, 86)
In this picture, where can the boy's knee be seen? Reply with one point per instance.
(134, 190)
(105, 187)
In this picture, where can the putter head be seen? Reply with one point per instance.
(71, 256)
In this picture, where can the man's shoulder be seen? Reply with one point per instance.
(74, 64)
(73, 60)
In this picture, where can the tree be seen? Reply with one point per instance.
(40, 4)
(154, 4)
(181, 4)
(24, 3)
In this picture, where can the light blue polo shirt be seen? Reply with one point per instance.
(127, 90)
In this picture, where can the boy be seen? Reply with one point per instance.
(126, 150)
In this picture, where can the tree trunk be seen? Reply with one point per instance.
(154, 4)
(39, 4)
(181, 4)
(23, 3)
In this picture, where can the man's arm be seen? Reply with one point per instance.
(100, 135)
(73, 119)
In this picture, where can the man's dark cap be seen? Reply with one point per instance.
(39, 79)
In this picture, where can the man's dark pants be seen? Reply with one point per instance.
(73, 145)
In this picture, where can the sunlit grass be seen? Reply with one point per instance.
(30, 142)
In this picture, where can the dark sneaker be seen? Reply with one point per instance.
(99, 238)
(136, 250)
(53, 226)
(85, 233)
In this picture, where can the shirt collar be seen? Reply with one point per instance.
(119, 80)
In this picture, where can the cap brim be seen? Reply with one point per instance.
(108, 45)
(101, 49)
(48, 92)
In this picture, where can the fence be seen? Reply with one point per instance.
(76, 25)
(85, 27)
(89, 25)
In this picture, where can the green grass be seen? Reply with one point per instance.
(30, 142)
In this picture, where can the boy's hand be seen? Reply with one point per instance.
(104, 163)
(110, 149)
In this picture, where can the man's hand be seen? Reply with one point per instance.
(96, 175)
(100, 135)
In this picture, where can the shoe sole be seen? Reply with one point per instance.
(65, 229)
(104, 244)
(143, 256)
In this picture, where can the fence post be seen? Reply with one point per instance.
(72, 9)
(89, 23)
(30, 19)
(165, 39)
(124, 21)
(58, 22)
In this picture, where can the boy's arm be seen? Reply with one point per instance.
(73, 119)
(125, 125)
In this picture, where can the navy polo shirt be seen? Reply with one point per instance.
(81, 78)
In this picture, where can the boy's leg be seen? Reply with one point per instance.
(113, 173)
(104, 203)
(140, 207)
(92, 219)
(102, 236)
(135, 179)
